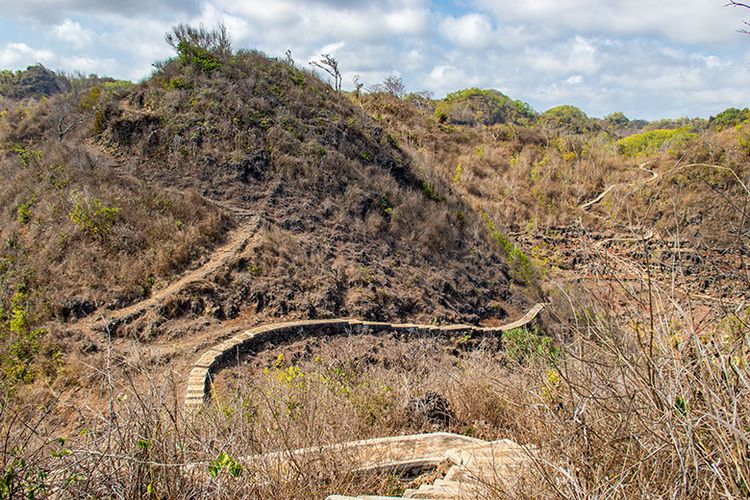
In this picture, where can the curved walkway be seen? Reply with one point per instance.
(199, 381)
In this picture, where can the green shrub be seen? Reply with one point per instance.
(27, 155)
(93, 217)
(567, 119)
(200, 48)
(653, 141)
(24, 211)
(521, 265)
(483, 107)
(192, 55)
(730, 117)
(179, 83)
(22, 342)
(528, 346)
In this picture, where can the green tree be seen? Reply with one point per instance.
(203, 49)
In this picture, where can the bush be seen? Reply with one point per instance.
(567, 119)
(93, 217)
(528, 346)
(653, 141)
(22, 342)
(483, 107)
(200, 48)
(730, 117)
(520, 263)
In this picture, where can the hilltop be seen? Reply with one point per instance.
(116, 189)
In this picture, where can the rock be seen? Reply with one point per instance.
(76, 308)
(431, 408)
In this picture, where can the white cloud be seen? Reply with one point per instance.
(14, 55)
(692, 21)
(73, 33)
(473, 31)
(579, 55)
(642, 57)
(89, 65)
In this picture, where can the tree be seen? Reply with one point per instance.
(357, 85)
(733, 3)
(394, 85)
(199, 47)
(330, 66)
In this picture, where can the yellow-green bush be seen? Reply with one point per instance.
(654, 141)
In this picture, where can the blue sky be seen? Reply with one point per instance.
(648, 59)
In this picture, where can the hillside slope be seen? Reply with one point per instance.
(115, 191)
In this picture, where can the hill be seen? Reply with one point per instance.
(114, 190)
(149, 229)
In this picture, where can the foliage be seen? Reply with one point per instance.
(21, 342)
(521, 265)
(524, 345)
(475, 106)
(692, 124)
(34, 81)
(23, 212)
(654, 141)
(25, 154)
(567, 119)
(93, 217)
(200, 48)
(224, 462)
(730, 117)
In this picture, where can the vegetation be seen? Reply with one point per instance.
(483, 107)
(730, 117)
(654, 141)
(567, 119)
(135, 220)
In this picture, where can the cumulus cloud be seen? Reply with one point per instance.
(54, 10)
(692, 21)
(15, 54)
(73, 33)
(579, 55)
(647, 59)
(473, 31)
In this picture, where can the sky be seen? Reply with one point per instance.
(647, 58)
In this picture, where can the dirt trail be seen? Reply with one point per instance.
(217, 260)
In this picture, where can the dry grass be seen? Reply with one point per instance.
(640, 402)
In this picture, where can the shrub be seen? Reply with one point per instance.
(521, 265)
(93, 217)
(25, 154)
(483, 107)
(200, 48)
(653, 141)
(23, 212)
(23, 342)
(567, 119)
(730, 117)
(528, 346)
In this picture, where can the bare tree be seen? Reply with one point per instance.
(330, 66)
(732, 3)
(394, 84)
(66, 107)
(357, 85)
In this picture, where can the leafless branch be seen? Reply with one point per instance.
(330, 66)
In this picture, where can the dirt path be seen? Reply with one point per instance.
(223, 256)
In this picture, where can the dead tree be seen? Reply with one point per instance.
(330, 66)
(732, 3)
(394, 85)
(357, 85)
